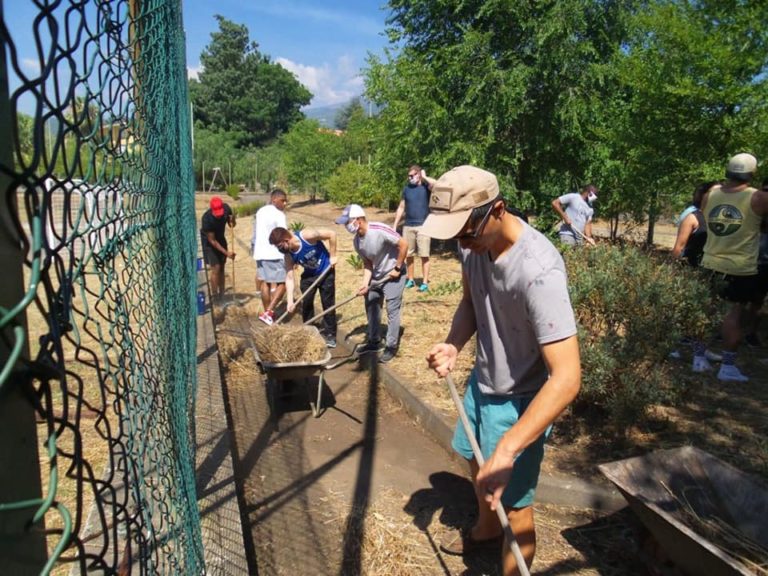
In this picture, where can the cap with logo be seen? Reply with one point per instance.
(350, 212)
(217, 207)
(741, 167)
(453, 197)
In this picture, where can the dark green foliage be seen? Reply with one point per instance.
(241, 91)
(632, 309)
(354, 108)
(296, 226)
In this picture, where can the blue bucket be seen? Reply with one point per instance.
(200, 303)
(199, 264)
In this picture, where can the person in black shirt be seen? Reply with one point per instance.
(214, 242)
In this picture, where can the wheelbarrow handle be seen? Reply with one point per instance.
(500, 512)
(347, 300)
(307, 291)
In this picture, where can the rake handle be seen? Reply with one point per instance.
(500, 512)
(332, 308)
(301, 296)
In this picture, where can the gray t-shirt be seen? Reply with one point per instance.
(578, 210)
(379, 245)
(521, 302)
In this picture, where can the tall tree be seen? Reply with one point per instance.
(512, 86)
(341, 121)
(310, 155)
(694, 77)
(241, 90)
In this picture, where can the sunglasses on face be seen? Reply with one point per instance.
(474, 234)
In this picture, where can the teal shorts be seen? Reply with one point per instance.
(490, 417)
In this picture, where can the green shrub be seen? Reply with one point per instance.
(248, 208)
(632, 308)
(355, 261)
(233, 191)
(296, 226)
(354, 183)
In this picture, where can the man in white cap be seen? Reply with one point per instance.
(733, 213)
(383, 252)
(527, 367)
(576, 211)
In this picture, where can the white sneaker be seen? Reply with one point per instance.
(701, 364)
(730, 373)
(713, 356)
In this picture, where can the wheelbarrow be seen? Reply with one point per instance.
(688, 500)
(276, 373)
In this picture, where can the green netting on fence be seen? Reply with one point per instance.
(99, 341)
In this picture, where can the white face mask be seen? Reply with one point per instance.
(591, 198)
(352, 227)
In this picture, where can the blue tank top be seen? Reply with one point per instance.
(315, 258)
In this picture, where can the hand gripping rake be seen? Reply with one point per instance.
(500, 512)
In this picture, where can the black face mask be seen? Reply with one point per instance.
(284, 250)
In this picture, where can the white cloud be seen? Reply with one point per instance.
(193, 72)
(330, 84)
(30, 64)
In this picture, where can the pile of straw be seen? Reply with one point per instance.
(729, 539)
(287, 344)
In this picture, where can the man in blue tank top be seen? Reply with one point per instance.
(306, 249)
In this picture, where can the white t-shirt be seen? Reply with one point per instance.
(267, 218)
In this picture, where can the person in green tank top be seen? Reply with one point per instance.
(733, 213)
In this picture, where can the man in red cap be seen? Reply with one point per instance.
(214, 242)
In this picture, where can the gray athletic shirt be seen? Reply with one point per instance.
(521, 301)
(379, 245)
(578, 210)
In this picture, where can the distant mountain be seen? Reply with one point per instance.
(326, 115)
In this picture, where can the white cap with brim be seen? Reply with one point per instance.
(741, 167)
(350, 212)
(453, 197)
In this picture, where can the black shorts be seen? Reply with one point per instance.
(739, 289)
(762, 284)
(213, 257)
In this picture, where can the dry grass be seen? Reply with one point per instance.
(288, 344)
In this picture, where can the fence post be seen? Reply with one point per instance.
(22, 545)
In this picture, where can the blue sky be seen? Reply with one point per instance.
(324, 43)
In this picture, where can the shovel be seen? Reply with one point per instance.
(500, 512)
(308, 290)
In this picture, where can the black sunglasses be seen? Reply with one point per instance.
(479, 230)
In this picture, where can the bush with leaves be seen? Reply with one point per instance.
(632, 309)
(248, 208)
(296, 226)
(355, 183)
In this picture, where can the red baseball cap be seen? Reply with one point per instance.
(217, 207)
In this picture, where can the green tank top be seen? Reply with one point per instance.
(733, 237)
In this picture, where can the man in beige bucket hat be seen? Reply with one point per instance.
(527, 367)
